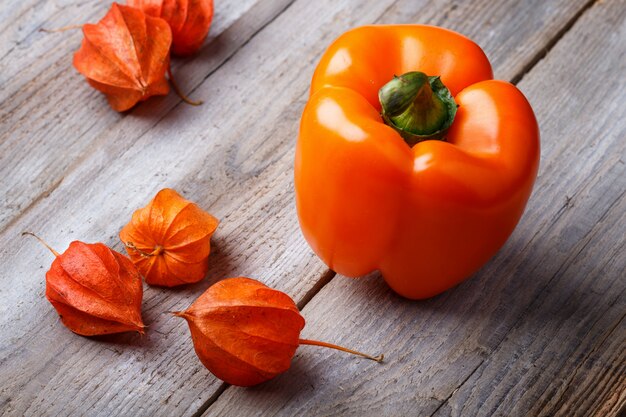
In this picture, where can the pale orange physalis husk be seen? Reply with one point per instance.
(246, 333)
(95, 290)
(243, 331)
(169, 240)
(125, 56)
(190, 20)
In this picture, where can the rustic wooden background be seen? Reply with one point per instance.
(540, 330)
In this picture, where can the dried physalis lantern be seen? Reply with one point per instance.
(190, 20)
(94, 289)
(246, 333)
(169, 240)
(125, 56)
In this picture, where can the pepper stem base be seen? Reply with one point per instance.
(417, 106)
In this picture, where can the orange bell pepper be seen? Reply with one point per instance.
(430, 215)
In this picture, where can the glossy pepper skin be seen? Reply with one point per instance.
(429, 216)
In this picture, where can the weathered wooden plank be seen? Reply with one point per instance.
(20, 20)
(41, 357)
(261, 241)
(540, 330)
(513, 34)
(210, 155)
(565, 355)
(436, 366)
(43, 94)
(50, 119)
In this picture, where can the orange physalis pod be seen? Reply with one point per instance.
(246, 333)
(190, 20)
(169, 240)
(125, 56)
(95, 290)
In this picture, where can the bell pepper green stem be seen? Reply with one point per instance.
(417, 106)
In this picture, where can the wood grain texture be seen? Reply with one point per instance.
(62, 373)
(541, 329)
(50, 116)
(513, 34)
(230, 156)
(44, 98)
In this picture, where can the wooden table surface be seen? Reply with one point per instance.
(539, 330)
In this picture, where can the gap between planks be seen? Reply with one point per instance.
(560, 402)
(321, 283)
(243, 44)
(586, 239)
(90, 150)
(551, 43)
(458, 387)
(514, 80)
(330, 274)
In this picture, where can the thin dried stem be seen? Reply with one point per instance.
(156, 252)
(61, 29)
(378, 358)
(178, 90)
(43, 242)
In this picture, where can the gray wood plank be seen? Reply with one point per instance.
(513, 34)
(50, 119)
(188, 151)
(41, 89)
(210, 154)
(21, 20)
(41, 366)
(541, 329)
